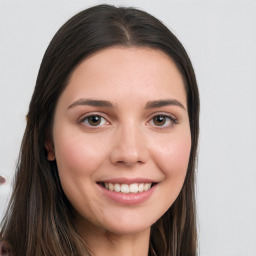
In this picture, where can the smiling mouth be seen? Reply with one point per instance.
(127, 188)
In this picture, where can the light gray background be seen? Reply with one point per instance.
(220, 37)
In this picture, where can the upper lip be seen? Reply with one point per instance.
(128, 180)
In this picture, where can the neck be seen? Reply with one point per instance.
(101, 242)
(120, 245)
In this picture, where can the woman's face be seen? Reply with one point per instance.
(122, 124)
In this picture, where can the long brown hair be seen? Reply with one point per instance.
(39, 219)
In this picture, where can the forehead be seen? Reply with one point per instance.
(130, 71)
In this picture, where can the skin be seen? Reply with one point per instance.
(127, 143)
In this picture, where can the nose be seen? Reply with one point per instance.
(129, 146)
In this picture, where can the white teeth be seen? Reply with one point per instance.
(110, 187)
(134, 188)
(147, 186)
(141, 187)
(125, 188)
(117, 187)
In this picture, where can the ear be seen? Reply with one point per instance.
(50, 150)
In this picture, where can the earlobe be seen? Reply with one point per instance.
(50, 150)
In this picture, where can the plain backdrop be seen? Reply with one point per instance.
(220, 38)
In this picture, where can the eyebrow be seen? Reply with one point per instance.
(104, 103)
(163, 103)
(91, 102)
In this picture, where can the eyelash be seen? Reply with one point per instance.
(171, 119)
(86, 118)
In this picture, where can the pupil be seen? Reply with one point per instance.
(159, 120)
(94, 120)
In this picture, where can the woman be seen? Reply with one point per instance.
(107, 161)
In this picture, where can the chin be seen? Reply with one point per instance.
(128, 226)
(128, 230)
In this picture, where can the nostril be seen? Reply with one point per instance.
(2, 180)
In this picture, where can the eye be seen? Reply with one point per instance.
(162, 121)
(94, 120)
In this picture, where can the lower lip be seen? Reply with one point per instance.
(128, 198)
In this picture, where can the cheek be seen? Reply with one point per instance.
(78, 155)
(78, 159)
(172, 158)
(173, 154)
(173, 161)
(179, 156)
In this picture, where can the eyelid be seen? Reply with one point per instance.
(163, 113)
(85, 116)
(172, 117)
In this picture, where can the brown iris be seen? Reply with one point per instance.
(94, 120)
(159, 120)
